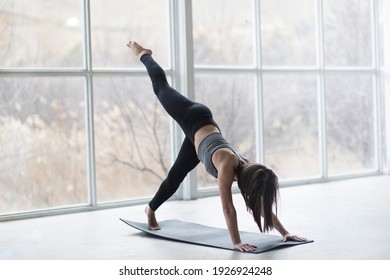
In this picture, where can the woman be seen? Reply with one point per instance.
(204, 142)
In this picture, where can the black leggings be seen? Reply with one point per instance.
(191, 116)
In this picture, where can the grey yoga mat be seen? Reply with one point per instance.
(210, 236)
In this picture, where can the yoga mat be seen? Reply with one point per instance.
(210, 236)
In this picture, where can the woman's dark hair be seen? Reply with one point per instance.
(259, 187)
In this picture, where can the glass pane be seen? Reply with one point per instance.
(231, 99)
(132, 138)
(114, 23)
(350, 123)
(42, 140)
(347, 33)
(41, 33)
(288, 32)
(223, 32)
(291, 125)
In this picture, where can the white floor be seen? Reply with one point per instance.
(347, 220)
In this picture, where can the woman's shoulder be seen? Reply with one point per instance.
(225, 157)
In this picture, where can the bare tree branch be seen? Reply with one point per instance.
(136, 167)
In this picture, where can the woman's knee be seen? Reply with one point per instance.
(159, 80)
(175, 178)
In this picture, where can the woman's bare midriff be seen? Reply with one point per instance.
(202, 133)
(220, 153)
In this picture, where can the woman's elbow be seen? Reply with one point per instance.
(229, 211)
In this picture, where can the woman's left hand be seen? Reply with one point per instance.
(289, 237)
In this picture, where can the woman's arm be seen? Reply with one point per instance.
(226, 167)
(280, 228)
(278, 225)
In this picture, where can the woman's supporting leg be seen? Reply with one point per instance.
(185, 162)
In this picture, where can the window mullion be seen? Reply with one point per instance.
(376, 83)
(259, 112)
(321, 91)
(386, 76)
(184, 75)
(89, 112)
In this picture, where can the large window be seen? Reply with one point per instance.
(313, 107)
(295, 85)
(79, 124)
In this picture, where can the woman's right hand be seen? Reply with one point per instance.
(289, 237)
(244, 247)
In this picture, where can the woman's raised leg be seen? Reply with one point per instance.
(174, 103)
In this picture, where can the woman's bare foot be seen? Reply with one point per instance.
(138, 50)
(152, 222)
